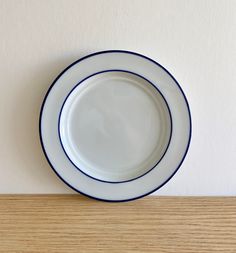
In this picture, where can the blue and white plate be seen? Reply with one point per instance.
(115, 125)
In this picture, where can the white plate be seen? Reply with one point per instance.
(115, 125)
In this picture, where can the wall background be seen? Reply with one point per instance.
(194, 40)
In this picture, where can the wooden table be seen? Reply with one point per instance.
(72, 223)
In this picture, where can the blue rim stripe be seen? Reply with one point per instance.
(125, 71)
(126, 52)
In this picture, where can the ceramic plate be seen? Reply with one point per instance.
(115, 125)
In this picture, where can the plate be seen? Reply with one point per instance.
(115, 125)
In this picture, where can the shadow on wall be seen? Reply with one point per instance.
(25, 122)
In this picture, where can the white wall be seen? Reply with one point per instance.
(194, 40)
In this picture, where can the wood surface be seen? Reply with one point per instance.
(72, 223)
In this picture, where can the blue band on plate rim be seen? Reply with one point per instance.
(124, 52)
(123, 71)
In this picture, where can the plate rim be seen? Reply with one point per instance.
(153, 85)
(125, 52)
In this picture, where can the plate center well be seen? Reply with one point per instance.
(115, 126)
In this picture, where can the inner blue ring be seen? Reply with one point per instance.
(124, 71)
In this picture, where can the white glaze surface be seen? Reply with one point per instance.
(115, 126)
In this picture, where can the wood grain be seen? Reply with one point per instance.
(72, 223)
